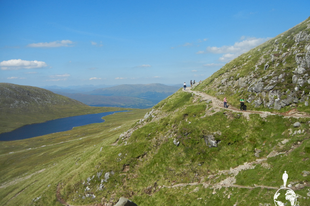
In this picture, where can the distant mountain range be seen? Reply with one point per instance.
(127, 95)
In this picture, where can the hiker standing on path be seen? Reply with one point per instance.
(241, 103)
(225, 102)
(184, 85)
(191, 83)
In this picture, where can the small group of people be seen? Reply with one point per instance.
(242, 105)
(191, 83)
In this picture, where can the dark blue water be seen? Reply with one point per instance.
(57, 125)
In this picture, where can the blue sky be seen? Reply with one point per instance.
(115, 42)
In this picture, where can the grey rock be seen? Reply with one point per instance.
(306, 103)
(266, 66)
(210, 141)
(300, 82)
(224, 81)
(106, 176)
(296, 124)
(301, 36)
(307, 57)
(305, 173)
(299, 70)
(294, 79)
(269, 87)
(296, 89)
(176, 142)
(125, 202)
(250, 99)
(277, 104)
(258, 102)
(99, 174)
(258, 87)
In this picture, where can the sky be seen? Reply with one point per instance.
(113, 42)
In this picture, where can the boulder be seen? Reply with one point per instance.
(125, 202)
(300, 82)
(266, 66)
(296, 124)
(210, 141)
(294, 79)
(300, 69)
(176, 142)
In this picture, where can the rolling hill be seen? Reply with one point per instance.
(20, 105)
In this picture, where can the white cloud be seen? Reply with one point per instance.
(12, 78)
(194, 70)
(231, 52)
(62, 43)
(156, 77)
(202, 40)
(96, 44)
(120, 78)
(60, 75)
(145, 65)
(56, 80)
(228, 57)
(94, 78)
(188, 44)
(16, 64)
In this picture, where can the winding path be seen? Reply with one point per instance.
(218, 104)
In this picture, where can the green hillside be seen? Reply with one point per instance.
(272, 76)
(20, 105)
(187, 150)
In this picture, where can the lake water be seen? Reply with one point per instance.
(57, 125)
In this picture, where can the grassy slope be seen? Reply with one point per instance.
(153, 160)
(61, 155)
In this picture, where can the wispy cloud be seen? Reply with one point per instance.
(94, 78)
(16, 64)
(62, 43)
(231, 52)
(58, 77)
(213, 65)
(120, 78)
(12, 77)
(143, 66)
(96, 44)
(194, 70)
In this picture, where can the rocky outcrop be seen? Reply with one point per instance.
(125, 202)
(273, 75)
